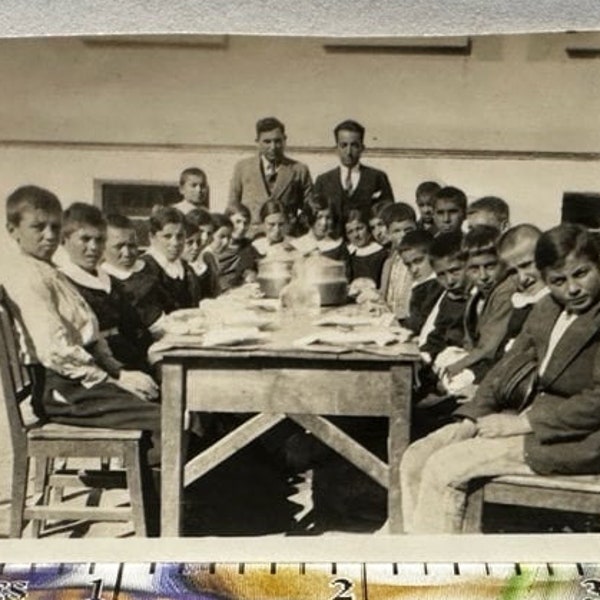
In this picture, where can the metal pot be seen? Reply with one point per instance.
(329, 276)
(273, 276)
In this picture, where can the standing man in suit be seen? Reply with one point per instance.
(272, 176)
(352, 185)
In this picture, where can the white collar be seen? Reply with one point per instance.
(262, 245)
(428, 278)
(122, 274)
(173, 269)
(308, 243)
(198, 266)
(75, 273)
(370, 248)
(185, 206)
(268, 165)
(354, 170)
(521, 300)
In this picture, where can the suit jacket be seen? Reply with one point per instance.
(293, 187)
(565, 411)
(485, 333)
(373, 186)
(423, 298)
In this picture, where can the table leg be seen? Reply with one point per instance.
(398, 440)
(173, 403)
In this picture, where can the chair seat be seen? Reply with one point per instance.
(576, 483)
(57, 431)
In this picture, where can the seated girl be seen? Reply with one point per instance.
(320, 240)
(236, 259)
(274, 244)
(221, 237)
(552, 426)
(166, 283)
(199, 230)
(366, 256)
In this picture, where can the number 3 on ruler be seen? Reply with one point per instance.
(345, 587)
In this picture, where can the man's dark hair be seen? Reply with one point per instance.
(349, 125)
(268, 124)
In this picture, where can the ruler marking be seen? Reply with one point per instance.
(579, 567)
(395, 568)
(302, 568)
(241, 568)
(487, 569)
(92, 568)
(212, 567)
(118, 580)
(364, 582)
(334, 568)
(550, 569)
(152, 569)
(517, 569)
(273, 568)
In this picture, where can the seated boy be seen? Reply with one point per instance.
(121, 248)
(449, 209)
(396, 282)
(426, 289)
(489, 210)
(84, 240)
(194, 190)
(424, 198)
(84, 384)
(556, 430)
(444, 325)
(517, 249)
(166, 283)
(223, 228)
(486, 315)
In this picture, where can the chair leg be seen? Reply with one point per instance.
(474, 511)
(134, 483)
(19, 493)
(43, 470)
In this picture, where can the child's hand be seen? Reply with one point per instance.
(452, 370)
(503, 425)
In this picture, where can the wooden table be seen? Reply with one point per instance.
(276, 382)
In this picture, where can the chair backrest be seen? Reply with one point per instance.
(15, 382)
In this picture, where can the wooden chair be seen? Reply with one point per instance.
(50, 441)
(572, 493)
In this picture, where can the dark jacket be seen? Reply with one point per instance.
(565, 411)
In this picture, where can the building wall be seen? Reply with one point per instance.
(73, 113)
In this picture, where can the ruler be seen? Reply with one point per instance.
(299, 581)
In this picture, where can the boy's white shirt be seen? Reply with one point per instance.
(173, 269)
(185, 206)
(101, 281)
(120, 273)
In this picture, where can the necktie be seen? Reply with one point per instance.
(348, 182)
(271, 176)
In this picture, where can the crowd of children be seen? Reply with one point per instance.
(458, 278)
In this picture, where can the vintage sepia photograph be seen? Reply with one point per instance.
(263, 286)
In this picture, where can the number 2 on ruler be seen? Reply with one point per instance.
(345, 587)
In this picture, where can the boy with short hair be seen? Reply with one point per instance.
(449, 209)
(121, 250)
(487, 313)
(426, 289)
(489, 210)
(83, 384)
(84, 241)
(396, 281)
(516, 247)
(194, 190)
(424, 198)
